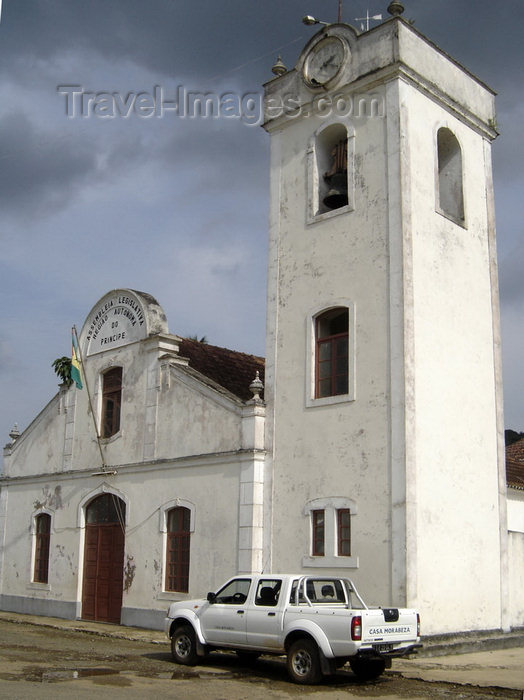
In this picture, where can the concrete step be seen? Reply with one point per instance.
(467, 642)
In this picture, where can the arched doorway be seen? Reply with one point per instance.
(104, 559)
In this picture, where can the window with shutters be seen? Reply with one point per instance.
(318, 519)
(330, 356)
(343, 532)
(332, 353)
(43, 536)
(111, 401)
(178, 549)
(329, 521)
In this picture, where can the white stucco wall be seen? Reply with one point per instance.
(456, 477)
(209, 487)
(419, 446)
(341, 450)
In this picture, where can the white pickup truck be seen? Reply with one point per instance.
(319, 622)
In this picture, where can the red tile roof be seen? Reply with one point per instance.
(230, 369)
(515, 464)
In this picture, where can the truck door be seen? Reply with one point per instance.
(264, 615)
(224, 621)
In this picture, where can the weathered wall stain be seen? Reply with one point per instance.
(67, 558)
(129, 572)
(50, 499)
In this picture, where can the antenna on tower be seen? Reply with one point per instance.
(367, 18)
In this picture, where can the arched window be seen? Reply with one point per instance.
(178, 549)
(106, 509)
(43, 536)
(111, 401)
(450, 189)
(332, 168)
(332, 353)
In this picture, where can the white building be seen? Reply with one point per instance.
(166, 500)
(382, 452)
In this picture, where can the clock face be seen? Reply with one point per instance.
(324, 61)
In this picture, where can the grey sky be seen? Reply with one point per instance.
(178, 207)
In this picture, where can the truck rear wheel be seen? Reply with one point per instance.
(303, 662)
(367, 669)
(183, 646)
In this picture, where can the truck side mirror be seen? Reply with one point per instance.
(211, 597)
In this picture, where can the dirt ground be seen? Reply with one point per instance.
(42, 662)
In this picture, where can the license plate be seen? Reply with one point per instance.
(381, 648)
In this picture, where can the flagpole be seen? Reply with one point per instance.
(89, 398)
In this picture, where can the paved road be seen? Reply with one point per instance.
(59, 662)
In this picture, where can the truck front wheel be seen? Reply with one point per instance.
(367, 669)
(303, 663)
(183, 646)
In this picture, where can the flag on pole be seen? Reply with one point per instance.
(76, 370)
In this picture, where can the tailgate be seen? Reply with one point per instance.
(389, 626)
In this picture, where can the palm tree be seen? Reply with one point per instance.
(62, 367)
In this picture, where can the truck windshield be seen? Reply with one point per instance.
(235, 592)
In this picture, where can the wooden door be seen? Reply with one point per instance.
(104, 559)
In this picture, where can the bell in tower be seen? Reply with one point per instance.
(337, 177)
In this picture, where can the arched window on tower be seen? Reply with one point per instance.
(332, 353)
(111, 401)
(450, 195)
(331, 170)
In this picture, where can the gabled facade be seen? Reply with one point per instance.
(168, 496)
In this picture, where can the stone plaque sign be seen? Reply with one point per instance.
(118, 319)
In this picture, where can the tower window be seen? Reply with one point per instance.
(450, 194)
(330, 171)
(332, 353)
(318, 523)
(111, 401)
(43, 536)
(343, 532)
(178, 549)
(332, 168)
(329, 522)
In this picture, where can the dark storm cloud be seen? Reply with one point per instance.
(41, 170)
(220, 156)
(173, 36)
(38, 169)
(165, 36)
(484, 36)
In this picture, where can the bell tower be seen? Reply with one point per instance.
(383, 377)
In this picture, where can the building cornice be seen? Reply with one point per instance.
(236, 457)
